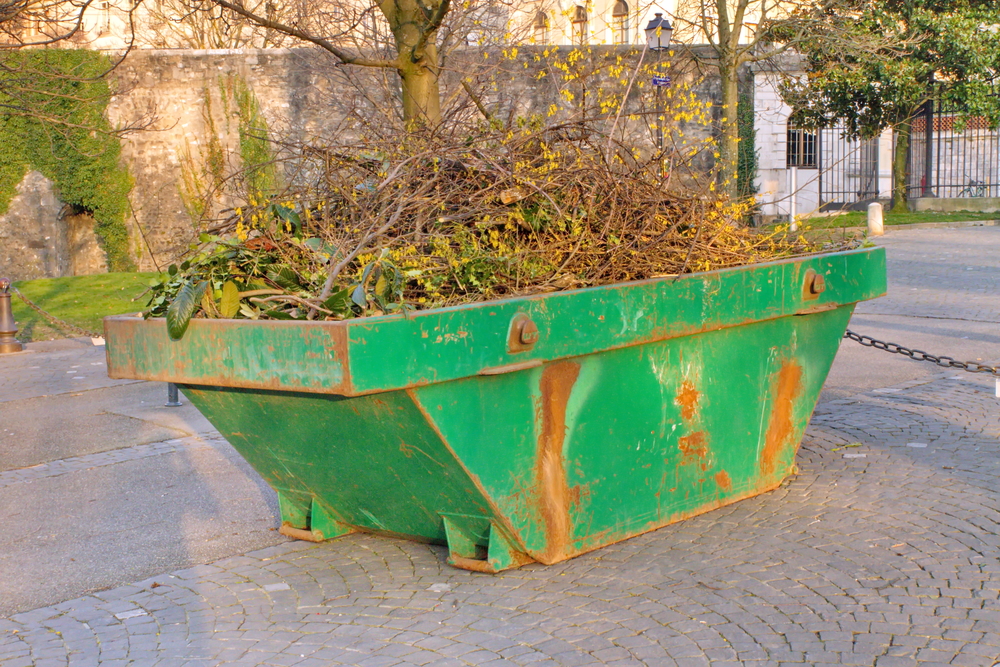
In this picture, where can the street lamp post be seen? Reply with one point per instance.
(658, 33)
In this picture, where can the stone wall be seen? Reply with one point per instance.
(305, 97)
(40, 237)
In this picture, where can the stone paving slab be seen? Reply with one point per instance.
(72, 365)
(884, 550)
(98, 459)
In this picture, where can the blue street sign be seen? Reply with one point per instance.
(661, 81)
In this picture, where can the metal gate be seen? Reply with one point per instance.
(848, 170)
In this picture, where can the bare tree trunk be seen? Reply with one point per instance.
(421, 93)
(414, 27)
(728, 128)
(899, 155)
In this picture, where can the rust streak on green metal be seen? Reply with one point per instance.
(553, 494)
(780, 429)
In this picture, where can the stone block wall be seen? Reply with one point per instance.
(40, 237)
(306, 98)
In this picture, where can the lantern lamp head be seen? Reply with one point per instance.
(658, 33)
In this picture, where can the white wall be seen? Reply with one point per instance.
(774, 183)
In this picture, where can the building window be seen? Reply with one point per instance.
(579, 25)
(801, 148)
(619, 23)
(541, 26)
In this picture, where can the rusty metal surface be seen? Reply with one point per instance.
(370, 355)
(300, 534)
(523, 334)
(231, 353)
(553, 501)
(627, 425)
(582, 453)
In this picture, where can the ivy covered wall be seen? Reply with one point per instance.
(52, 119)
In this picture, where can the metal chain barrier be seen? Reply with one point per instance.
(52, 319)
(920, 355)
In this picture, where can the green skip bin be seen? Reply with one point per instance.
(528, 429)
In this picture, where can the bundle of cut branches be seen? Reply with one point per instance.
(385, 229)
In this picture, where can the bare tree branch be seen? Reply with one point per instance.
(337, 52)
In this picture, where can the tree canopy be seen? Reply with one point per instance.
(897, 56)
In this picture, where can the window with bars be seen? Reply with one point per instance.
(800, 151)
(580, 25)
(619, 23)
(541, 27)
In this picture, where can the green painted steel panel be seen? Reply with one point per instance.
(372, 460)
(266, 355)
(434, 346)
(653, 433)
(379, 354)
(640, 405)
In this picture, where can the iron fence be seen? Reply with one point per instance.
(963, 160)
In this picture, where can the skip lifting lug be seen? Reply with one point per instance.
(813, 285)
(523, 333)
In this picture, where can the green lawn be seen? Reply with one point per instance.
(80, 300)
(860, 219)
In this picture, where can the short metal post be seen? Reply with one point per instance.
(8, 327)
(173, 397)
(793, 186)
(875, 222)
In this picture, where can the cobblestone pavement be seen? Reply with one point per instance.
(884, 550)
(942, 273)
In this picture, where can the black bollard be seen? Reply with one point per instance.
(8, 327)
(173, 398)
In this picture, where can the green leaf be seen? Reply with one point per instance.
(287, 214)
(395, 287)
(208, 304)
(317, 245)
(339, 302)
(276, 315)
(185, 265)
(183, 307)
(285, 278)
(204, 238)
(358, 296)
(172, 269)
(229, 306)
(368, 271)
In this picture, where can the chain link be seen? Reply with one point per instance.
(920, 355)
(52, 319)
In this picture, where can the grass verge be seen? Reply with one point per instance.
(860, 219)
(83, 301)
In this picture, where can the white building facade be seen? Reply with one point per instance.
(803, 172)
